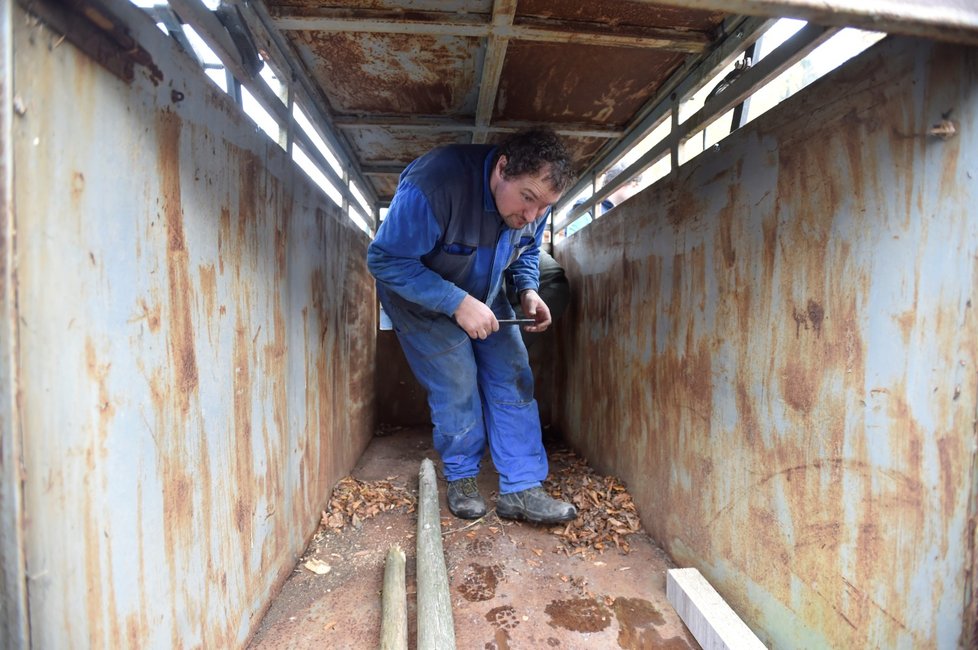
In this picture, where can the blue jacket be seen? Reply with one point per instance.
(443, 237)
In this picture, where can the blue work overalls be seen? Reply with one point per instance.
(443, 239)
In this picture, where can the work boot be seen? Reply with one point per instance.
(534, 505)
(464, 499)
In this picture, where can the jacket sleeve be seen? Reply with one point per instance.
(524, 272)
(409, 232)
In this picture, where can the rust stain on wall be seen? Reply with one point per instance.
(183, 355)
(794, 382)
(208, 289)
(190, 515)
(240, 439)
(150, 314)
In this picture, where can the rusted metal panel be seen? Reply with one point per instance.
(949, 20)
(385, 185)
(196, 351)
(559, 83)
(623, 14)
(391, 73)
(785, 340)
(379, 144)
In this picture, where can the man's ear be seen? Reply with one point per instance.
(501, 165)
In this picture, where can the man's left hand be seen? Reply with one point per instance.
(535, 308)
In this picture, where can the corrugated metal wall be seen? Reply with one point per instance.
(786, 342)
(195, 363)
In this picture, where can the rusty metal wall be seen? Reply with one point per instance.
(196, 350)
(785, 340)
(13, 589)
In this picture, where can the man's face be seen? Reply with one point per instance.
(521, 199)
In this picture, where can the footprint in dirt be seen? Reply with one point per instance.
(479, 582)
(503, 617)
(480, 546)
(579, 615)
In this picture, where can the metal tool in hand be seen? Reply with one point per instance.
(516, 321)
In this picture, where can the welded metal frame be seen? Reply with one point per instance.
(503, 14)
(283, 56)
(498, 27)
(14, 620)
(741, 33)
(426, 124)
(945, 20)
(498, 31)
(210, 29)
(783, 57)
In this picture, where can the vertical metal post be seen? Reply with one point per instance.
(742, 109)
(234, 88)
(674, 134)
(14, 623)
(290, 127)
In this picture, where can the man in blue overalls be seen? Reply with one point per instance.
(461, 218)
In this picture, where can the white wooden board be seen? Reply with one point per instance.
(709, 618)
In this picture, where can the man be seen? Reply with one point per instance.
(461, 217)
(613, 199)
(554, 291)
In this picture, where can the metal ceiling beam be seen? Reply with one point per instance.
(503, 14)
(427, 124)
(947, 20)
(383, 170)
(562, 32)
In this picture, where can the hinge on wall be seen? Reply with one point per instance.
(98, 33)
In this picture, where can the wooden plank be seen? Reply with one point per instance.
(393, 626)
(436, 628)
(709, 618)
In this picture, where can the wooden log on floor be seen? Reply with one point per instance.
(436, 628)
(709, 618)
(393, 626)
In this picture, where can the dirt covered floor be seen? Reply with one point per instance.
(596, 583)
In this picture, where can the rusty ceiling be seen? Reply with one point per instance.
(403, 76)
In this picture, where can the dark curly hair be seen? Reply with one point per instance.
(528, 151)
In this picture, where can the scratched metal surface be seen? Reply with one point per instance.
(196, 351)
(777, 351)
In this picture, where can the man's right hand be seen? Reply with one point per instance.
(476, 318)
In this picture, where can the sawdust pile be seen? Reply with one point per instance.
(353, 501)
(606, 514)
